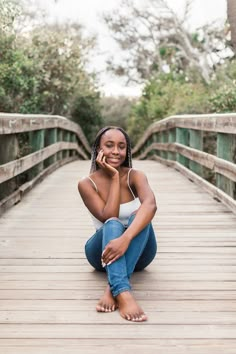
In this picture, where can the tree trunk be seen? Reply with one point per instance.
(231, 13)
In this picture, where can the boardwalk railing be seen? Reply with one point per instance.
(203, 147)
(31, 147)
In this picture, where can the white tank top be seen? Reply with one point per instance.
(126, 209)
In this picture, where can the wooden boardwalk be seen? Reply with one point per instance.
(48, 292)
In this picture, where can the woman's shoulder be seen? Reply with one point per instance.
(82, 182)
(89, 180)
(85, 179)
(135, 173)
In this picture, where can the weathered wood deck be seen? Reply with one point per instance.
(48, 292)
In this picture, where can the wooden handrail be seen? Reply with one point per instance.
(12, 123)
(52, 141)
(180, 141)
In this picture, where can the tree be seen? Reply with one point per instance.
(231, 12)
(86, 111)
(116, 110)
(9, 10)
(154, 39)
(59, 51)
(43, 68)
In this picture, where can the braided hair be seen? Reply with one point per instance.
(128, 158)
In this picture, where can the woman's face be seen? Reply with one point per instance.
(114, 146)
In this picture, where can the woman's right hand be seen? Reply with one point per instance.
(101, 161)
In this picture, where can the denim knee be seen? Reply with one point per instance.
(114, 222)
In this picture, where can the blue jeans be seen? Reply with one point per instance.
(140, 253)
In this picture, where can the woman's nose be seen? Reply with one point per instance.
(115, 150)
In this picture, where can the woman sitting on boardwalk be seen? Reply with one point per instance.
(122, 206)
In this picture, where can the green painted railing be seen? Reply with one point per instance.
(31, 147)
(203, 147)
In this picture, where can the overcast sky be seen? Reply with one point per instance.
(88, 12)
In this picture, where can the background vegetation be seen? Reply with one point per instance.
(43, 67)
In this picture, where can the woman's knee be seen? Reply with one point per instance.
(114, 221)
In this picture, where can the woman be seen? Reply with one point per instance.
(122, 206)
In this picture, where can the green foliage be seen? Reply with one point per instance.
(224, 99)
(59, 71)
(9, 10)
(169, 94)
(86, 111)
(223, 96)
(16, 76)
(116, 110)
(42, 70)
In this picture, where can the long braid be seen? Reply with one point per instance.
(128, 158)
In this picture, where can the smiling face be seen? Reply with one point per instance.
(114, 146)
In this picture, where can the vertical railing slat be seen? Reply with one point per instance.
(36, 141)
(171, 139)
(195, 142)
(9, 151)
(226, 151)
(182, 137)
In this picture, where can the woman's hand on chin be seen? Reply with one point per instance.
(108, 169)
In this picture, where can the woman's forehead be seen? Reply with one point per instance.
(113, 134)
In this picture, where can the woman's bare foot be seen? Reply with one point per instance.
(129, 309)
(107, 303)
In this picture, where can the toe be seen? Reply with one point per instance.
(144, 317)
(128, 317)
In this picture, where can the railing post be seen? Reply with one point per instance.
(51, 138)
(171, 139)
(66, 153)
(73, 139)
(36, 141)
(158, 140)
(59, 138)
(182, 137)
(226, 145)
(195, 142)
(164, 139)
(9, 151)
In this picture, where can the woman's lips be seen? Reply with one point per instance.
(113, 159)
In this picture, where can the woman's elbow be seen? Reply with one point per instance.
(154, 207)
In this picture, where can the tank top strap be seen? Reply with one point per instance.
(129, 183)
(94, 184)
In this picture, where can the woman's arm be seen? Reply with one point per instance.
(101, 209)
(96, 205)
(148, 207)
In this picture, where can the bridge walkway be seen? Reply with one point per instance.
(48, 291)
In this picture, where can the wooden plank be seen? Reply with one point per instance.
(88, 316)
(117, 331)
(163, 293)
(189, 264)
(177, 305)
(75, 346)
(160, 268)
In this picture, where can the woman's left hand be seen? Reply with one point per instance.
(114, 250)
